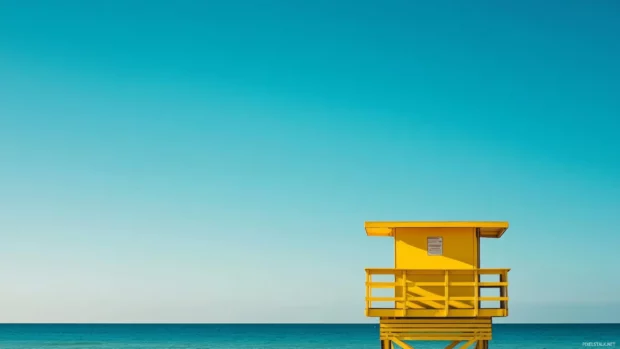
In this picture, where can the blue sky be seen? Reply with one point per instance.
(215, 162)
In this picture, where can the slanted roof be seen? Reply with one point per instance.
(487, 229)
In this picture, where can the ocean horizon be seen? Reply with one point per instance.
(280, 336)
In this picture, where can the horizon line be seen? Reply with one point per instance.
(279, 323)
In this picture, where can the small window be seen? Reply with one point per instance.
(435, 246)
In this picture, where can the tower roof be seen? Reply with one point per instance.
(487, 229)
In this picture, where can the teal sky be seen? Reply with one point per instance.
(215, 162)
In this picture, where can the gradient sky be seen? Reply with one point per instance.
(215, 162)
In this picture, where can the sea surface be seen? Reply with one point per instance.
(87, 336)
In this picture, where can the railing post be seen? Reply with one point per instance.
(504, 290)
(476, 291)
(404, 295)
(446, 294)
(368, 291)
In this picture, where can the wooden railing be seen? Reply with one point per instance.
(436, 293)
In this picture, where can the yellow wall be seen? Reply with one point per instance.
(459, 248)
(460, 251)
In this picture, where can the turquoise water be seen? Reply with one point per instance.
(18, 336)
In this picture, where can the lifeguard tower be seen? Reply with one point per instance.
(436, 284)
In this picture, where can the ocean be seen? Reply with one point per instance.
(282, 336)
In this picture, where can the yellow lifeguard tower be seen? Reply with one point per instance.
(436, 284)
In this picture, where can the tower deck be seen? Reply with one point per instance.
(441, 297)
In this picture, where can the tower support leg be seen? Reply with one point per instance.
(401, 344)
(469, 343)
(482, 344)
